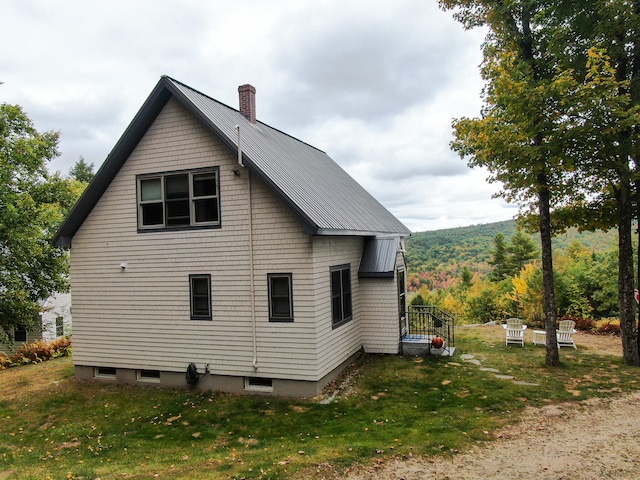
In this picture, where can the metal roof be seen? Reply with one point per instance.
(317, 189)
(379, 257)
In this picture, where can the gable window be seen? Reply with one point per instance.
(340, 295)
(200, 292)
(59, 326)
(179, 200)
(280, 297)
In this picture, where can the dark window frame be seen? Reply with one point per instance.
(179, 209)
(195, 297)
(341, 295)
(275, 297)
(20, 334)
(402, 292)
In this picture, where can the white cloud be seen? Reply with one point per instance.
(376, 86)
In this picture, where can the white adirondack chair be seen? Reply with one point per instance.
(514, 331)
(565, 332)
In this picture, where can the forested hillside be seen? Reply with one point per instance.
(492, 272)
(440, 255)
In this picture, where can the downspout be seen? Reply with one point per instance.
(251, 263)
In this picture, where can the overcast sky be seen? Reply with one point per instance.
(375, 84)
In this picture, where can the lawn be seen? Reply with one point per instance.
(55, 427)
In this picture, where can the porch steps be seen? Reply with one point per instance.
(421, 345)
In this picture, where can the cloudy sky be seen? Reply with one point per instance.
(375, 84)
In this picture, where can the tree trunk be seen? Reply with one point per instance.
(552, 357)
(637, 215)
(628, 331)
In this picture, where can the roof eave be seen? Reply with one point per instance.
(150, 109)
(359, 233)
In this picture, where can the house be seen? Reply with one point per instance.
(55, 319)
(211, 248)
(56, 316)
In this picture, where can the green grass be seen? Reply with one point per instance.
(55, 427)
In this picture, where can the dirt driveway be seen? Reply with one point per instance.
(595, 439)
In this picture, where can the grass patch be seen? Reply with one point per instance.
(55, 427)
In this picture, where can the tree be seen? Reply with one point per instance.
(32, 205)
(498, 258)
(521, 251)
(605, 52)
(82, 171)
(521, 135)
(466, 278)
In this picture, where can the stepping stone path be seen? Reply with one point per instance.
(468, 358)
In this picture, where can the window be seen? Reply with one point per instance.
(151, 376)
(178, 200)
(200, 291)
(340, 295)
(258, 384)
(59, 326)
(402, 293)
(280, 297)
(20, 334)
(104, 372)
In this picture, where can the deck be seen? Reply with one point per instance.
(420, 325)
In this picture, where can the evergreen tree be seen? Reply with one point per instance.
(498, 258)
(82, 171)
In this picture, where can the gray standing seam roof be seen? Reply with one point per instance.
(318, 190)
(379, 257)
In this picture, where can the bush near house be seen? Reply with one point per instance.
(36, 352)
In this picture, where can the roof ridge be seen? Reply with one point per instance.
(238, 111)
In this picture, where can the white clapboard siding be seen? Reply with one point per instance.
(56, 306)
(139, 318)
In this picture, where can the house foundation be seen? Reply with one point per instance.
(212, 382)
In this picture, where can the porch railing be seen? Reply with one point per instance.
(427, 321)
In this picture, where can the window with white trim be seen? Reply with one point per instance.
(341, 311)
(179, 199)
(280, 297)
(200, 293)
(59, 326)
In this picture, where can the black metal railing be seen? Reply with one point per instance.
(427, 321)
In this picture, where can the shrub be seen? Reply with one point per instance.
(4, 360)
(36, 352)
(417, 300)
(607, 326)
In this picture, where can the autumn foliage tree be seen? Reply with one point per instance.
(560, 127)
(520, 136)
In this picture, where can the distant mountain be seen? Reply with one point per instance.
(452, 248)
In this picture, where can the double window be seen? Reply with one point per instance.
(200, 292)
(280, 297)
(340, 295)
(178, 200)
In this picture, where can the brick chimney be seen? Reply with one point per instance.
(248, 101)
